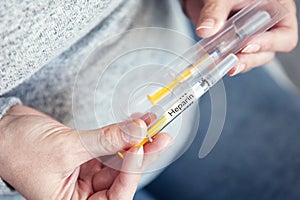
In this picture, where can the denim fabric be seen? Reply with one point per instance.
(257, 155)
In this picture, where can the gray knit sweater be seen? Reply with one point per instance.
(44, 45)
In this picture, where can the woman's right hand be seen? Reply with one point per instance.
(44, 159)
(209, 17)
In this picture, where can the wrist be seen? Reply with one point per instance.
(5, 131)
(6, 104)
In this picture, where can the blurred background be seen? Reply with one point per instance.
(258, 153)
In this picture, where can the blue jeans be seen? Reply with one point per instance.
(257, 155)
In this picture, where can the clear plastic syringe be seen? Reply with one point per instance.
(192, 94)
(189, 96)
(230, 41)
(188, 77)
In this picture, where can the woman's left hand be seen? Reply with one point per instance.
(44, 159)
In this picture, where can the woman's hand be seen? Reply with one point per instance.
(210, 15)
(43, 159)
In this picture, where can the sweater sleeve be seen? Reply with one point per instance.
(5, 189)
(6, 103)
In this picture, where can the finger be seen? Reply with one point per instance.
(104, 179)
(282, 38)
(154, 149)
(160, 142)
(290, 5)
(126, 183)
(191, 9)
(212, 17)
(148, 118)
(108, 140)
(89, 169)
(249, 61)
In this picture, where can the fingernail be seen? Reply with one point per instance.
(251, 48)
(134, 131)
(206, 23)
(133, 160)
(148, 118)
(239, 68)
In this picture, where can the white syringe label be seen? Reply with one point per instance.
(185, 101)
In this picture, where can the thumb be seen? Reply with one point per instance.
(212, 17)
(110, 139)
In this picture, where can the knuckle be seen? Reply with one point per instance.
(113, 195)
(269, 46)
(212, 7)
(112, 138)
(106, 140)
(290, 5)
(290, 46)
(293, 44)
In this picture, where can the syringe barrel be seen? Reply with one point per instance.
(257, 21)
(221, 69)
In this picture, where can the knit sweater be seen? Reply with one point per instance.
(44, 46)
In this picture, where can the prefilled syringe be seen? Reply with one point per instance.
(227, 45)
(190, 96)
(208, 61)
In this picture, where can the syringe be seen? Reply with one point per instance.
(190, 96)
(210, 59)
(232, 44)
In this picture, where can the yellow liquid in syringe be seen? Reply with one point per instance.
(178, 80)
